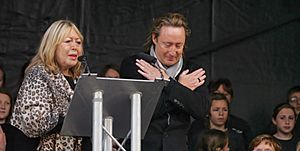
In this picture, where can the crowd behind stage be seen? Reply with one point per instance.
(33, 120)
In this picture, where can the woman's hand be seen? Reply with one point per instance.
(192, 80)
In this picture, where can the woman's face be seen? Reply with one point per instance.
(285, 121)
(68, 51)
(4, 106)
(218, 112)
(264, 146)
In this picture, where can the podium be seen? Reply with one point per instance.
(127, 103)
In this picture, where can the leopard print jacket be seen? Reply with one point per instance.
(42, 98)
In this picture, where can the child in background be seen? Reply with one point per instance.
(284, 117)
(264, 142)
(213, 140)
(5, 109)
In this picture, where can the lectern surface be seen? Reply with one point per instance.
(116, 103)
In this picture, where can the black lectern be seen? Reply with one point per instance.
(129, 102)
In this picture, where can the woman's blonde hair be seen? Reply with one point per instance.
(55, 35)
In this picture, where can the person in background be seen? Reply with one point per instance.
(45, 94)
(2, 77)
(182, 97)
(2, 140)
(298, 146)
(216, 119)
(284, 117)
(224, 86)
(110, 71)
(292, 98)
(213, 140)
(5, 105)
(5, 128)
(12, 139)
(264, 142)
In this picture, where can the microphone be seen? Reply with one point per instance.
(83, 59)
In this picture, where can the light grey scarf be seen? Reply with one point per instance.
(172, 71)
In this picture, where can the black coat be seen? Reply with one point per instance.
(16, 140)
(171, 119)
(241, 126)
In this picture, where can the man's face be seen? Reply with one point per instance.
(169, 44)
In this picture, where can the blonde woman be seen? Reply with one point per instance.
(47, 89)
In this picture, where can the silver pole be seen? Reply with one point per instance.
(136, 121)
(114, 139)
(108, 124)
(97, 120)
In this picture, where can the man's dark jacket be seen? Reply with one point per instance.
(171, 119)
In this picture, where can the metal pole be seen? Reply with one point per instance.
(114, 139)
(97, 120)
(108, 124)
(136, 121)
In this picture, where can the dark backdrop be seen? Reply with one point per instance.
(254, 43)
